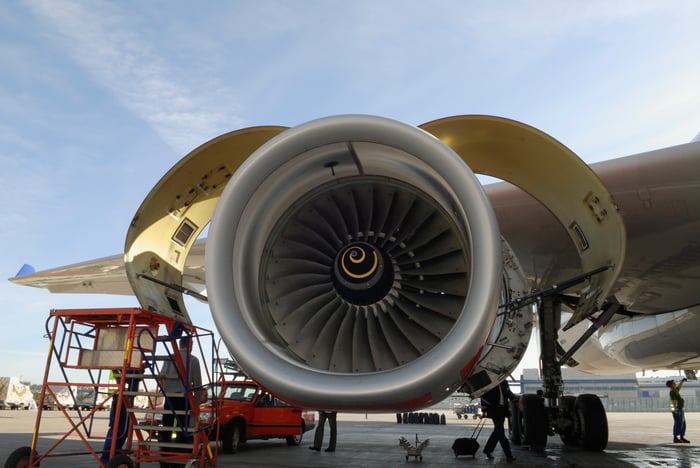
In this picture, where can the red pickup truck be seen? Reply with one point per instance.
(247, 412)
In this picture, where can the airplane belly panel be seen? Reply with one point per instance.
(663, 341)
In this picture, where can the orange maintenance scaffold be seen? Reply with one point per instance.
(147, 369)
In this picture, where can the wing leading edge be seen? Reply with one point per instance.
(104, 275)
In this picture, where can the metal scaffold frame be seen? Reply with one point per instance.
(118, 357)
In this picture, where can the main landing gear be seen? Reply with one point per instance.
(579, 421)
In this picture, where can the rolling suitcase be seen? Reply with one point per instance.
(468, 445)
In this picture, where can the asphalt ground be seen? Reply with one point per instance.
(636, 440)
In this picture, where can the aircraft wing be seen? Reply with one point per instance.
(104, 275)
(658, 196)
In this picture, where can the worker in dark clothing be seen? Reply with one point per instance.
(177, 383)
(318, 437)
(494, 404)
(678, 411)
(119, 432)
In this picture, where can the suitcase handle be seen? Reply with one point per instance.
(477, 429)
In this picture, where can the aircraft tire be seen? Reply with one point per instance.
(514, 423)
(533, 422)
(593, 423)
(570, 437)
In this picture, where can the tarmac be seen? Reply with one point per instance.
(372, 440)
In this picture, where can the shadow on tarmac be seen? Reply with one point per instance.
(368, 443)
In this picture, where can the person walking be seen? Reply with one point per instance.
(494, 404)
(331, 416)
(678, 411)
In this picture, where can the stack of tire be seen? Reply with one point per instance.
(420, 418)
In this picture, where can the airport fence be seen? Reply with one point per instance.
(611, 404)
(646, 405)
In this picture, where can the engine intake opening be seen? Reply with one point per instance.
(362, 273)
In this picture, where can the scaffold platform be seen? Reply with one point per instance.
(150, 371)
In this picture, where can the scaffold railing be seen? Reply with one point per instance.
(150, 371)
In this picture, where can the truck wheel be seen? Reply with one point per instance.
(120, 461)
(231, 438)
(19, 458)
(533, 422)
(593, 423)
(295, 439)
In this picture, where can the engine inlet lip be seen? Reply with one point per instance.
(360, 273)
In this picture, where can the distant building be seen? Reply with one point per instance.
(619, 393)
(576, 383)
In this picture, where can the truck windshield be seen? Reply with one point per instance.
(240, 392)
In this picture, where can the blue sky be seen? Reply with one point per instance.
(98, 100)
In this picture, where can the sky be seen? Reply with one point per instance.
(99, 99)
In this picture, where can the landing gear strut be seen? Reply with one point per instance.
(579, 421)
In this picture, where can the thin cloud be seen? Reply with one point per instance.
(101, 40)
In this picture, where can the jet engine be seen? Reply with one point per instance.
(354, 262)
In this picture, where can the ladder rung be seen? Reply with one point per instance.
(136, 376)
(146, 427)
(157, 411)
(155, 443)
(153, 394)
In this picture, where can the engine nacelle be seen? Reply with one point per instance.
(354, 262)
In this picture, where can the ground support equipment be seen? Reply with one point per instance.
(117, 355)
(416, 450)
